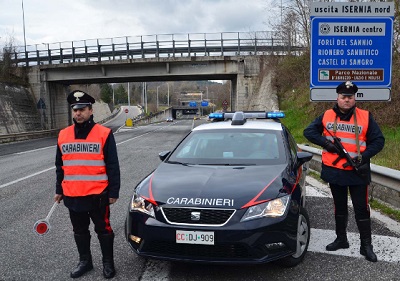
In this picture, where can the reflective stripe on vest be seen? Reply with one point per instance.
(94, 163)
(85, 178)
(346, 133)
(83, 161)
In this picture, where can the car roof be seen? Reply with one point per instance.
(260, 124)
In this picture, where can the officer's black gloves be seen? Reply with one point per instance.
(362, 166)
(330, 147)
(357, 160)
(360, 161)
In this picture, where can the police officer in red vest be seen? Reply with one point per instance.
(88, 180)
(361, 136)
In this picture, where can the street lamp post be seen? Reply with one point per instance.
(112, 85)
(157, 97)
(145, 95)
(129, 97)
(23, 24)
(168, 95)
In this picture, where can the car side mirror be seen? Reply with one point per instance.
(162, 155)
(303, 157)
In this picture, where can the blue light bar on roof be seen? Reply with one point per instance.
(275, 114)
(247, 115)
(216, 115)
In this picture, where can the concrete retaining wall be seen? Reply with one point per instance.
(21, 111)
(18, 110)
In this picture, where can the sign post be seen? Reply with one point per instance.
(351, 41)
(225, 105)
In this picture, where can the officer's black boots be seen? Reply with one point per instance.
(341, 241)
(85, 258)
(366, 249)
(107, 244)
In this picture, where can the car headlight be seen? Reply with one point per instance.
(273, 208)
(139, 204)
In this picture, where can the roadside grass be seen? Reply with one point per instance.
(389, 157)
(316, 176)
(385, 209)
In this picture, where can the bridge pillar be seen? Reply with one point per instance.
(246, 83)
(51, 100)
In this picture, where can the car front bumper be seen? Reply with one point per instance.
(255, 241)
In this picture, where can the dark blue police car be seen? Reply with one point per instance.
(230, 192)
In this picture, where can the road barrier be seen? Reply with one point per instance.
(385, 184)
(42, 133)
(28, 135)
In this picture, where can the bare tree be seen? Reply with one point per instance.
(6, 58)
(294, 26)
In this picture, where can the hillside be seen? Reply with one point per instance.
(294, 98)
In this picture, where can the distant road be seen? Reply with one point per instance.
(119, 120)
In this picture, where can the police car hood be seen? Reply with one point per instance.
(214, 186)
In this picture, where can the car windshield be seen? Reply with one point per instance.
(231, 147)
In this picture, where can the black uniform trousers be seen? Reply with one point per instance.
(359, 198)
(100, 216)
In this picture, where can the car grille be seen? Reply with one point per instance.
(207, 216)
(228, 251)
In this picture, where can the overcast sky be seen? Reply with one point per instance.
(50, 21)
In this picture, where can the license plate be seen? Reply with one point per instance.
(195, 237)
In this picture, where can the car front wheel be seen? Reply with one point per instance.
(303, 239)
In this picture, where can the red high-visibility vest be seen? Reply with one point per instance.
(345, 130)
(83, 161)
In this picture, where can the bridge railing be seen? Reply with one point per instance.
(152, 46)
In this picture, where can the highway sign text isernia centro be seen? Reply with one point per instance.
(351, 41)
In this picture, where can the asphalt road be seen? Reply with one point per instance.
(27, 179)
(125, 112)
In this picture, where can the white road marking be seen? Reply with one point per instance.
(34, 150)
(315, 188)
(386, 248)
(122, 142)
(27, 177)
(318, 189)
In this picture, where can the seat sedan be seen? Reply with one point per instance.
(232, 191)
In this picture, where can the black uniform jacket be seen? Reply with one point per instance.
(86, 203)
(375, 142)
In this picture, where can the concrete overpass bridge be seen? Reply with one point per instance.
(233, 56)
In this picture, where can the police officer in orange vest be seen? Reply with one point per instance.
(88, 180)
(362, 138)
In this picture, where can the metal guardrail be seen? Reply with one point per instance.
(109, 117)
(152, 46)
(42, 133)
(28, 135)
(385, 183)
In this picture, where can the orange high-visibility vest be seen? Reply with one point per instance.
(345, 130)
(83, 161)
